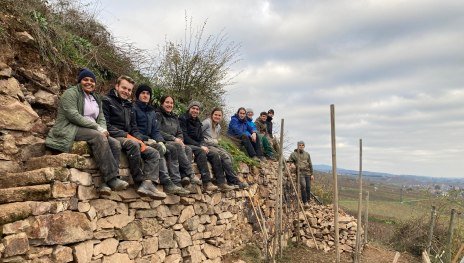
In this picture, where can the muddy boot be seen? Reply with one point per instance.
(148, 189)
(195, 180)
(225, 187)
(210, 187)
(117, 184)
(104, 189)
(171, 188)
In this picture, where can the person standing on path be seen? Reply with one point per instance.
(302, 160)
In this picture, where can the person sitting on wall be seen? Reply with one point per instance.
(149, 128)
(239, 128)
(302, 160)
(211, 132)
(122, 125)
(269, 123)
(181, 154)
(261, 127)
(80, 118)
(193, 137)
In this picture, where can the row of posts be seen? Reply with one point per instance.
(359, 242)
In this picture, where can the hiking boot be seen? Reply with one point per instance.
(256, 158)
(306, 205)
(175, 190)
(185, 181)
(209, 187)
(243, 185)
(262, 158)
(195, 180)
(104, 189)
(225, 187)
(117, 184)
(148, 189)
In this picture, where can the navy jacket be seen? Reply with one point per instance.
(146, 121)
(191, 129)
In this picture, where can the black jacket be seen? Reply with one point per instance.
(269, 125)
(120, 117)
(168, 124)
(191, 129)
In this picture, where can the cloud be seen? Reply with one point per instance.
(393, 69)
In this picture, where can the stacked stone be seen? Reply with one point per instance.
(53, 213)
(321, 219)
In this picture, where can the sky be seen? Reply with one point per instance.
(393, 69)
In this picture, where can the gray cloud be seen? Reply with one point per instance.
(393, 69)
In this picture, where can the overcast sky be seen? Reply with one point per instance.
(393, 69)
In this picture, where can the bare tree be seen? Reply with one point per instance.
(197, 68)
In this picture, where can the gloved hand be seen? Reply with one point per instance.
(162, 148)
(151, 143)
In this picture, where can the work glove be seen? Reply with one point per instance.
(151, 143)
(162, 148)
(143, 146)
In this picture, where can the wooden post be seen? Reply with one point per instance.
(432, 226)
(402, 193)
(358, 228)
(366, 218)
(450, 237)
(397, 256)
(456, 257)
(281, 187)
(298, 193)
(335, 186)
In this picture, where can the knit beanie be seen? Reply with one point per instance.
(270, 111)
(301, 142)
(194, 103)
(143, 87)
(84, 73)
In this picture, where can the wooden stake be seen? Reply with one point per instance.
(456, 257)
(397, 256)
(366, 218)
(335, 186)
(298, 196)
(280, 183)
(450, 236)
(432, 226)
(358, 228)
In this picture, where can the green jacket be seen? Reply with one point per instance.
(305, 166)
(70, 117)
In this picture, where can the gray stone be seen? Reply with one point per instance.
(11, 88)
(17, 244)
(192, 223)
(106, 247)
(86, 192)
(171, 200)
(150, 245)
(146, 213)
(63, 190)
(131, 248)
(174, 258)
(45, 98)
(139, 205)
(149, 226)
(104, 207)
(25, 193)
(36, 252)
(200, 208)
(166, 239)
(80, 177)
(211, 252)
(15, 115)
(130, 232)
(24, 37)
(163, 211)
(16, 227)
(195, 254)
(183, 238)
(35, 177)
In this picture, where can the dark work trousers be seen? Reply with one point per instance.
(179, 164)
(142, 166)
(105, 150)
(305, 184)
(253, 148)
(201, 158)
(226, 161)
(164, 177)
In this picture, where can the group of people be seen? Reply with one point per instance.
(159, 145)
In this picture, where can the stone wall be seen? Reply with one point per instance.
(53, 213)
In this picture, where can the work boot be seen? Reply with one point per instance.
(243, 185)
(256, 158)
(148, 189)
(195, 180)
(262, 158)
(171, 188)
(225, 187)
(306, 205)
(104, 189)
(209, 187)
(117, 184)
(185, 181)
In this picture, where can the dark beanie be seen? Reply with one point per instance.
(143, 87)
(84, 73)
(270, 111)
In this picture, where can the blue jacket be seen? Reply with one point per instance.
(146, 121)
(238, 127)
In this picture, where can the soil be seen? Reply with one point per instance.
(372, 253)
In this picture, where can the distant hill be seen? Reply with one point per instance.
(393, 178)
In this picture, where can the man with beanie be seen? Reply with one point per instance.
(80, 118)
(302, 160)
(148, 126)
(193, 137)
(122, 125)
